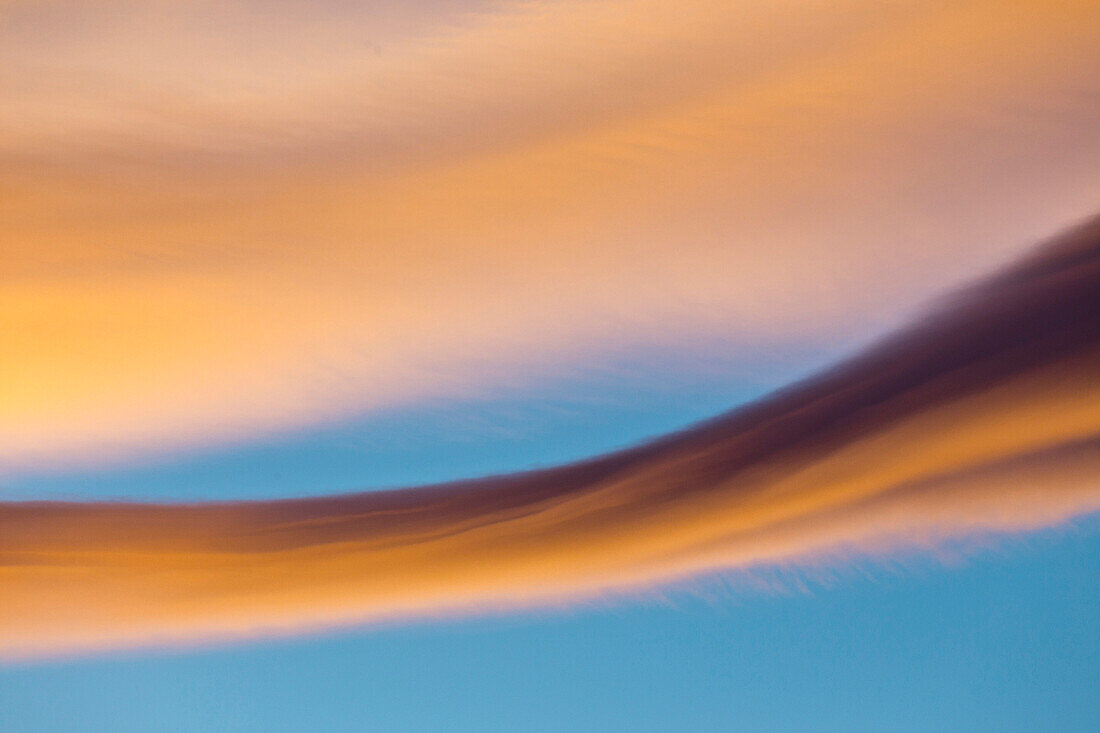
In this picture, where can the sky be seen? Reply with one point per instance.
(265, 251)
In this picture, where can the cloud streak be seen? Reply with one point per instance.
(982, 417)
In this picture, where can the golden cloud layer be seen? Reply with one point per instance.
(221, 219)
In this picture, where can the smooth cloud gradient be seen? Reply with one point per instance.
(983, 417)
(219, 220)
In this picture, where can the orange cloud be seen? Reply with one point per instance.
(222, 222)
(983, 417)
